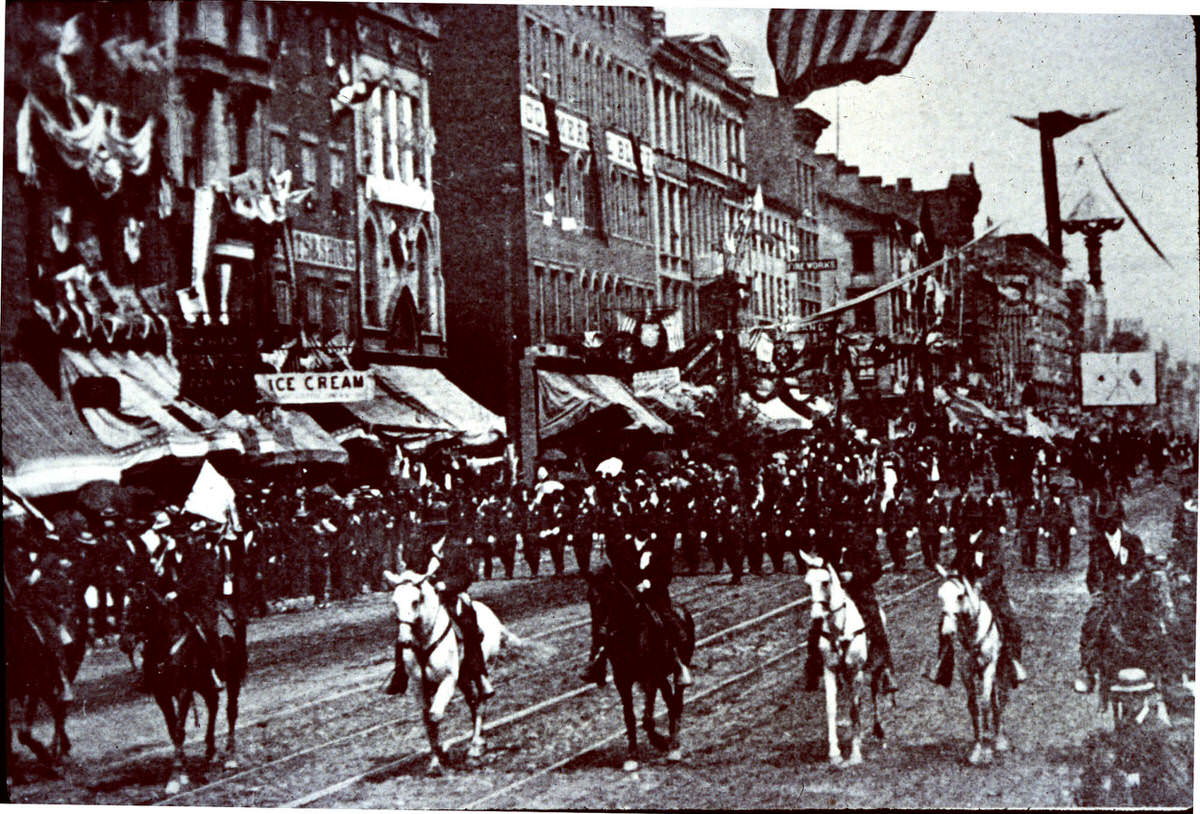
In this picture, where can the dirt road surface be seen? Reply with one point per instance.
(315, 730)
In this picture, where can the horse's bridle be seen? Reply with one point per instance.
(966, 590)
(831, 612)
(422, 653)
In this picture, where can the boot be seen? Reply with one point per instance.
(597, 671)
(812, 667)
(887, 682)
(685, 675)
(398, 683)
(942, 672)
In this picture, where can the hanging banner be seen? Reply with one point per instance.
(650, 381)
(316, 388)
(1117, 379)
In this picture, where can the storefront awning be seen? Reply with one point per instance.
(149, 410)
(419, 406)
(567, 399)
(47, 447)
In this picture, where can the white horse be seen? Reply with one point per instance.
(843, 646)
(966, 613)
(433, 654)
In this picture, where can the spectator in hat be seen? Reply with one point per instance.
(1183, 532)
(1057, 525)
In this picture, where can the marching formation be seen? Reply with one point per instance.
(123, 566)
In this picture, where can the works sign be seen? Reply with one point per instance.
(316, 388)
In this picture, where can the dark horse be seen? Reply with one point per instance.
(44, 643)
(640, 653)
(178, 663)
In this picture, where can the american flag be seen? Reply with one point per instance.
(815, 49)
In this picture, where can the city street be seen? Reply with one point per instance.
(314, 729)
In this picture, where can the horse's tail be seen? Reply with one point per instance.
(540, 652)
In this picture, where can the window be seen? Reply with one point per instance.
(312, 303)
(283, 301)
(537, 327)
(338, 311)
(370, 272)
(278, 152)
(337, 167)
(862, 253)
(308, 164)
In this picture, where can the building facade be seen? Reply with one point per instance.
(229, 207)
(781, 159)
(1017, 322)
(545, 165)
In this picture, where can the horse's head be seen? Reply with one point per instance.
(821, 580)
(415, 602)
(959, 599)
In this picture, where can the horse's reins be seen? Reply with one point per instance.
(828, 631)
(423, 653)
(969, 591)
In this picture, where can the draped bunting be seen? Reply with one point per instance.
(96, 143)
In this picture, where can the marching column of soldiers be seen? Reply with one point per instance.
(302, 538)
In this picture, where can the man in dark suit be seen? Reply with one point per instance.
(1114, 555)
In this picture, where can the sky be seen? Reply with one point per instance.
(952, 107)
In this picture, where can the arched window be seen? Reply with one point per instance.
(370, 276)
(402, 332)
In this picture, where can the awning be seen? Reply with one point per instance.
(47, 447)
(418, 406)
(776, 414)
(566, 399)
(299, 438)
(149, 412)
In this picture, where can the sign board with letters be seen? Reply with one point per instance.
(824, 264)
(311, 387)
(322, 250)
(650, 381)
(1117, 379)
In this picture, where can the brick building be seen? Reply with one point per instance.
(544, 165)
(1017, 322)
(781, 157)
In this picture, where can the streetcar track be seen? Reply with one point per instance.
(528, 712)
(411, 718)
(757, 668)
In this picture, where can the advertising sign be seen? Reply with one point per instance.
(649, 381)
(1117, 379)
(824, 264)
(316, 388)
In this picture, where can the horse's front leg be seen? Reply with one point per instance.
(60, 747)
(625, 690)
(650, 693)
(232, 689)
(435, 710)
(835, 751)
(674, 714)
(210, 726)
(478, 745)
(174, 711)
(855, 721)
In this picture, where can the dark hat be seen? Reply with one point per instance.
(1108, 509)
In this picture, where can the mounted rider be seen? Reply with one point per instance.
(641, 561)
(859, 568)
(1115, 557)
(981, 562)
(452, 564)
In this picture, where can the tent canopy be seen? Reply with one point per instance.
(567, 399)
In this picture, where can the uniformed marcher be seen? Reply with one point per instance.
(1057, 527)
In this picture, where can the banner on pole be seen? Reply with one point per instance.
(1117, 379)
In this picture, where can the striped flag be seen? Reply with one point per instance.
(816, 49)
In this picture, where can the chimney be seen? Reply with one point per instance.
(872, 180)
(658, 25)
(904, 185)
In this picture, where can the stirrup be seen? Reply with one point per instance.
(684, 674)
(1019, 672)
